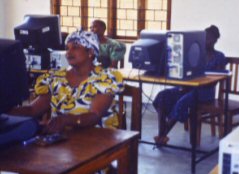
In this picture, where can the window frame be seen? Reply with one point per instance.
(112, 15)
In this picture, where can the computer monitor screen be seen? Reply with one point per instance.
(39, 32)
(13, 75)
(149, 52)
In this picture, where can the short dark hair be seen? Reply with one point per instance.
(214, 31)
(101, 23)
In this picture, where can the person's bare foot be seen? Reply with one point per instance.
(161, 140)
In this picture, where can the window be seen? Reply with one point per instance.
(124, 18)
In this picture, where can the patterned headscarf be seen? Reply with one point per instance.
(86, 39)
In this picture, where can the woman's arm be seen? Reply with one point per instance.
(37, 107)
(101, 104)
(99, 107)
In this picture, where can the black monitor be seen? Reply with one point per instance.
(173, 54)
(149, 52)
(13, 75)
(39, 32)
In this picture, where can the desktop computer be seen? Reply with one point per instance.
(177, 55)
(229, 153)
(186, 54)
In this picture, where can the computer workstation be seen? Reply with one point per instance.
(13, 91)
(175, 58)
(39, 35)
(35, 39)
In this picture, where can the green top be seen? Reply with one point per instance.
(111, 50)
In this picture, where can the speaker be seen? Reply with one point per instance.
(186, 54)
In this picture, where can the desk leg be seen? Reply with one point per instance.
(128, 163)
(194, 132)
(141, 106)
(226, 119)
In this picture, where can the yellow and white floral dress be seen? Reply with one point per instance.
(66, 99)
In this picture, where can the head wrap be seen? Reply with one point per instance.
(86, 39)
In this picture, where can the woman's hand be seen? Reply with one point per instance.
(58, 124)
(38, 107)
(99, 107)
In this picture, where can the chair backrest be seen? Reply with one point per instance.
(121, 63)
(233, 66)
(136, 108)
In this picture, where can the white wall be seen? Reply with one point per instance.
(1, 18)
(199, 14)
(13, 11)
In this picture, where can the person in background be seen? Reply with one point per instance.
(77, 97)
(174, 104)
(111, 51)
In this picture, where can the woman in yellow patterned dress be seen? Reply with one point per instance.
(80, 96)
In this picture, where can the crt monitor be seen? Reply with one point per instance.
(13, 75)
(149, 52)
(39, 32)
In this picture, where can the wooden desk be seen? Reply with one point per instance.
(84, 152)
(138, 76)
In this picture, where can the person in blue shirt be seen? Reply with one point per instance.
(174, 104)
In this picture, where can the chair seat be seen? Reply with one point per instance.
(213, 107)
(233, 106)
(216, 106)
(213, 112)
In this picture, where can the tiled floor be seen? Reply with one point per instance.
(171, 161)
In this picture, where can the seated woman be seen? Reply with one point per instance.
(174, 104)
(80, 96)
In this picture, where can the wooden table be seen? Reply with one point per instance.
(84, 152)
(139, 76)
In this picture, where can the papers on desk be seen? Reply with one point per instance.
(10, 127)
(12, 119)
(7, 172)
(3, 118)
(223, 72)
